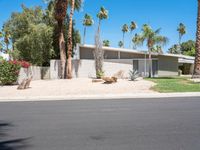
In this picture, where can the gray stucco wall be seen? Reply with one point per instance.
(36, 72)
(167, 66)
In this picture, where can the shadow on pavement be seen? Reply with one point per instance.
(11, 144)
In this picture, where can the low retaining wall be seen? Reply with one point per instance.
(86, 68)
(36, 72)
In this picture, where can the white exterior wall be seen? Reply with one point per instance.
(86, 68)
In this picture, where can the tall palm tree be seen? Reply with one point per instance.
(1, 45)
(7, 40)
(136, 40)
(196, 73)
(103, 14)
(60, 15)
(106, 43)
(99, 52)
(87, 22)
(152, 38)
(75, 4)
(181, 30)
(132, 27)
(125, 29)
(120, 44)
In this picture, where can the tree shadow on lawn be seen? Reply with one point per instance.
(11, 144)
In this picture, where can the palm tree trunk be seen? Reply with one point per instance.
(84, 35)
(62, 49)
(99, 26)
(150, 63)
(196, 73)
(179, 40)
(69, 53)
(130, 41)
(123, 39)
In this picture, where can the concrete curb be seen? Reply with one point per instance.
(96, 97)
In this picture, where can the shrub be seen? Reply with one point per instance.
(9, 71)
(133, 74)
(1, 59)
(100, 74)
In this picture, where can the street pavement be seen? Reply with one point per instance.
(119, 124)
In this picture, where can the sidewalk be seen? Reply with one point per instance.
(98, 97)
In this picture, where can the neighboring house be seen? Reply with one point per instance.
(116, 59)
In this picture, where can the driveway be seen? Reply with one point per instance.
(126, 124)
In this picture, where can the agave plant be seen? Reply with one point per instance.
(133, 75)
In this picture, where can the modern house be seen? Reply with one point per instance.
(120, 59)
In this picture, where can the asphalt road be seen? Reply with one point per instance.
(138, 124)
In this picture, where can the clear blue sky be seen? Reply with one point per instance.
(166, 14)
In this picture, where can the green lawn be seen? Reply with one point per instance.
(174, 84)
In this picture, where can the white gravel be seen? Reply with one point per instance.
(79, 86)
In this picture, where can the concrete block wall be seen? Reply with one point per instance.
(38, 73)
(86, 68)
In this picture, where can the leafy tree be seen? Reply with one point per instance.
(188, 48)
(175, 49)
(152, 38)
(87, 22)
(36, 47)
(1, 44)
(106, 43)
(27, 31)
(125, 29)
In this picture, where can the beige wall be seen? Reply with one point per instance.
(167, 66)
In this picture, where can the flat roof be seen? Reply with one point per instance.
(137, 51)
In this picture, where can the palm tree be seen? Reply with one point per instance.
(106, 43)
(182, 30)
(120, 44)
(157, 49)
(132, 27)
(196, 73)
(7, 40)
(125, 29)
(103, 14)
(87, 22)
(136, 40)
(75, 4)
(60, 14)
(1, 45)
(152, 38)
